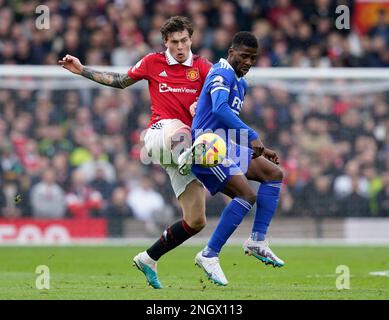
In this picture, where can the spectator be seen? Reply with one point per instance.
(48, 198)
(61, 167)
(10, 190)
(117, 212)
(89, 168)
(149, 206)
(3, 200)
(354, 204)
(83, 201)
(374, 187)
(318, 200)
(343, 184)
(381, 29)
(54, 141)
(383, 196)
(118, 207)
(315, 140)
(101, 184)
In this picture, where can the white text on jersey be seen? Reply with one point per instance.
(163, 87)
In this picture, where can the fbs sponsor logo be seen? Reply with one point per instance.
(163, 87)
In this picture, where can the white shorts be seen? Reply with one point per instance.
(157, 149)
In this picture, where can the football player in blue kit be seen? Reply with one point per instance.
(217, 111)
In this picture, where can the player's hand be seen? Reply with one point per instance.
(71, 63)
(271, 155)
(192, 109)
(257, 147)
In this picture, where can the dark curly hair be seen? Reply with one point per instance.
(244, 38)
(176, 24)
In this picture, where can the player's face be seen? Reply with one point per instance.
(242, 58)
(179, 44)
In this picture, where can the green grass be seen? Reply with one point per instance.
(105, 273)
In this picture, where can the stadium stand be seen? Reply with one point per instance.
(331, 147)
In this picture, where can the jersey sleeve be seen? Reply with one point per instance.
(140, 70)
(219, 79)
(219, 88)
(205, 66)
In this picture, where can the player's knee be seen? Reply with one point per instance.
(278, 174)
(197, 223)
(196, 218)
(194, 215)
(250, 197)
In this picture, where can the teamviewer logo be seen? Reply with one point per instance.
(163, 87)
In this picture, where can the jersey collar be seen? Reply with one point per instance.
(171, 61)
(224, 61)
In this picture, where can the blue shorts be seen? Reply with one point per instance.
(216, 178)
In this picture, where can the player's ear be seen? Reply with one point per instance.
(231, 51)
(165, 41)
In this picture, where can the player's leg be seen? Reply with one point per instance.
(270, 176)
(191, 196)
(165, 140)
(178, 139)
(188, 190)
(243, 199)
(192, 202)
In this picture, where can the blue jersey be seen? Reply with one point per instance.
(220, 103)
(218, 110)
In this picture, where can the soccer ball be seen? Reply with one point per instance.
(210, 150)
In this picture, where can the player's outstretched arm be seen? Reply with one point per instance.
(112, 79)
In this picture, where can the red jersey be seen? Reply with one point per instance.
(173, 86)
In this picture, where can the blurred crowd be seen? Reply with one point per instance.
(75, 153)
(119, 32)
(334, 149)
(67, 158)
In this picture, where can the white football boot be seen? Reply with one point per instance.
(188, 157)
(212, 269)
(261, 251)
(149, 268)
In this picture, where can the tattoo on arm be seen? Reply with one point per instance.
(112, 79)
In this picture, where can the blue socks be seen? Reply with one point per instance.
(267, 201)
(231, 217)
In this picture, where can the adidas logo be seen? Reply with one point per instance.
(236, 87)
(163, 74)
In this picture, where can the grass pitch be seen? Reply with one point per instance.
(106, 273)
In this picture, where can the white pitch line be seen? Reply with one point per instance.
(384, 273)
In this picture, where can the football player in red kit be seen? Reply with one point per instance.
(175, 79)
